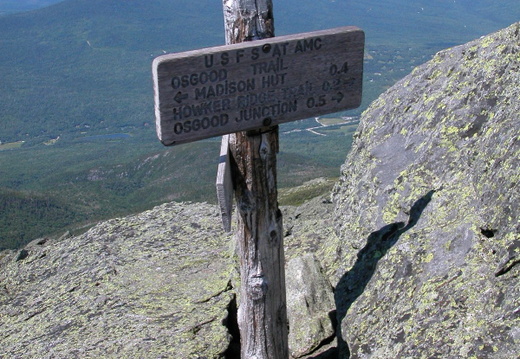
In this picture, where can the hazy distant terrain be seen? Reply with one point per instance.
(11, 6)
(82, 67)
(77, 122)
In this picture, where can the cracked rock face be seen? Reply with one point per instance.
(427, 211)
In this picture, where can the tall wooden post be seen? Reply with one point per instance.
(262, 314)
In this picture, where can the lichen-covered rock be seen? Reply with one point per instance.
(310, 305)
(309, 232)
(309, 228)
(154, 285)
(427, 211)
(157, 284)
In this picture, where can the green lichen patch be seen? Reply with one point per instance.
(151, 285)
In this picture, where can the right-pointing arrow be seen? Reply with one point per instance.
(338, 97)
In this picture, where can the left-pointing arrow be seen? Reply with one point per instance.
(180, 97)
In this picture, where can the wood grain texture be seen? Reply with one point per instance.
(262, 313)
(247, 20)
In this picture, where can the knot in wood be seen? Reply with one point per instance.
(257, 287)
(264, 150)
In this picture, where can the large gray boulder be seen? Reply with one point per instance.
(427, 212)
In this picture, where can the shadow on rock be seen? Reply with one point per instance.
(353, 283)
(331, 353)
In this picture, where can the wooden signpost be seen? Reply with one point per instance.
(243, 91)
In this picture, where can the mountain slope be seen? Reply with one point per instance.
(11, 6)
(85, 65)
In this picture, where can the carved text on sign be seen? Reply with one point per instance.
(226, 89)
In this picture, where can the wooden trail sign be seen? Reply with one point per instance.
(250, 85)
(256, 85)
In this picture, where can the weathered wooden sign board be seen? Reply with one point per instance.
(224, 185)
(226, 89)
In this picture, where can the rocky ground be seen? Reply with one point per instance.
(160, 284)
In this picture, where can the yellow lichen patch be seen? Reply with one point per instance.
(428, 258)
(487, 41)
